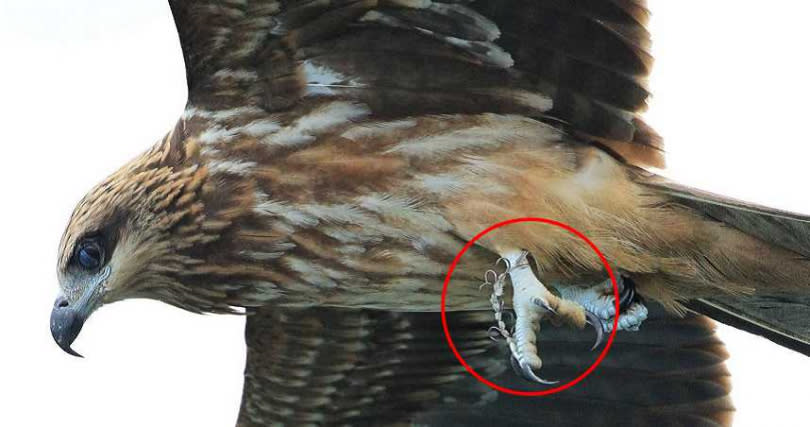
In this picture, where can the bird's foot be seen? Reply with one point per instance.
(600, 301)
(532, 301)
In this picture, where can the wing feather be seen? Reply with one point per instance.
(333, 366)
(588, 58)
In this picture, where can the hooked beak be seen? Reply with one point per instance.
(66, 323)
(68, 318)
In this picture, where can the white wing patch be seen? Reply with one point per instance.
(321, 79)
(240, 75)
(369, 130)
(222, 115)
(235, 167)
(494, 131)
(322, 119)
(216, 134)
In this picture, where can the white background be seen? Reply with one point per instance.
(87, 84)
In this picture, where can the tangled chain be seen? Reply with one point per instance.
(496, 299)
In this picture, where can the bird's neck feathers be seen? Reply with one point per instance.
(174, 227)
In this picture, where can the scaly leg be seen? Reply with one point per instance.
(599, 299)
(531, 301)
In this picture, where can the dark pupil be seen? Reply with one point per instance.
(90, 257)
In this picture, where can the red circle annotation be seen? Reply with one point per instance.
(507, 390)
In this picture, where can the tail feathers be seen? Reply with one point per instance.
(787, 230)
(781, 318)
(780, 311)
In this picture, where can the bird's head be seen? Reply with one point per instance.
(133, 235)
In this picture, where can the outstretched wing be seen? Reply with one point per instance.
(349, 367)
(576, 65)
(580, 65)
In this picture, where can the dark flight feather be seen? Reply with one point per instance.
(334, 366)
(591, 58)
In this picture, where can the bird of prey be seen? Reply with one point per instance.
(334, 157)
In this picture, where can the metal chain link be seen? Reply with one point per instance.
(499, 330)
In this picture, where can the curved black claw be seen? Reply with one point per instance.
(627, 294)
(525, 371)
(594, 321)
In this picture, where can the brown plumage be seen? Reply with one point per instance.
(376, 368)
(337, 154)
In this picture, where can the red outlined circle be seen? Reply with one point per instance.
(506, 389)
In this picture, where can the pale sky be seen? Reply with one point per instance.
(87, 85)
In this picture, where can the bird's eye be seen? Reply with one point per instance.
(90, 255)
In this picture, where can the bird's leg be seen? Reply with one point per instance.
(599, 300)
(531, 301)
